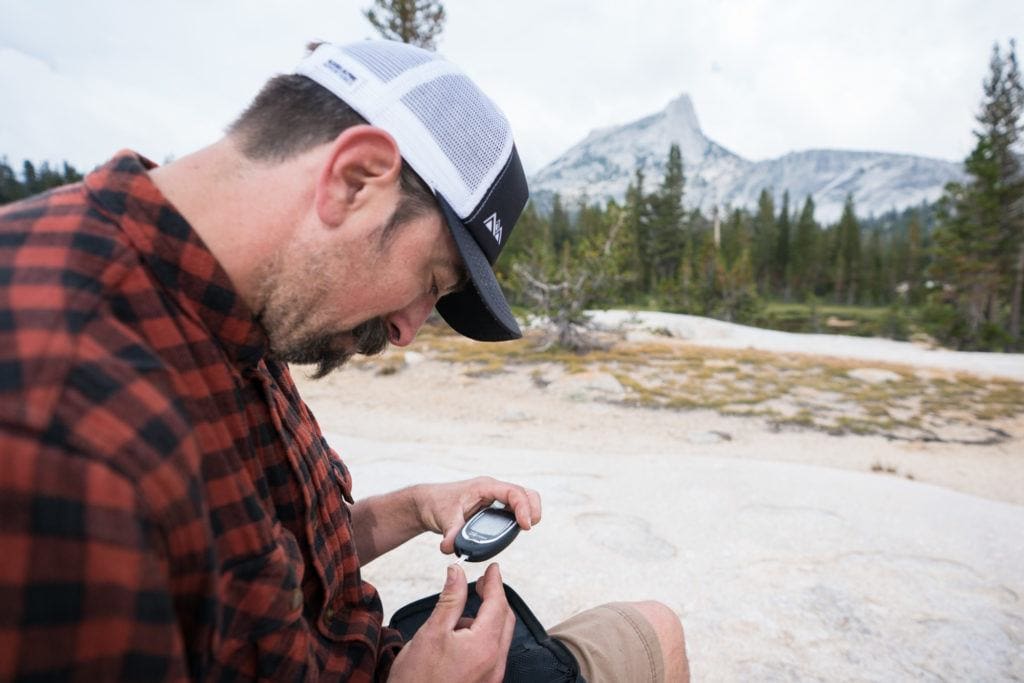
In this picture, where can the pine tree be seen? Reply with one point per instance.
(875, 282)
(804, 254)
(740, 302)
(764, 241)
(48, 177)
(561, 228)
(589, 218)
(708, 278)
(667, 220)
(848, 257)
(10, 187)
(782, 246)
(531, 241)
(29, 179)
(1013, 172)
(735, 235)
(913, 272)
(71, 175)
(417, 22)
(638, 225)
(979, 254)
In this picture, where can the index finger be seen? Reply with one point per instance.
(525, 503)
(494, 609)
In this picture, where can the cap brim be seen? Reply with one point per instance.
(479, 311)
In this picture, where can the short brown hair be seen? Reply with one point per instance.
(293, 114)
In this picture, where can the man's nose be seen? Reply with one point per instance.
(404, 324)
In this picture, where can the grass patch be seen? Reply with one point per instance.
(789, 390)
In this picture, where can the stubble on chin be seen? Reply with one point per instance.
(288, 310)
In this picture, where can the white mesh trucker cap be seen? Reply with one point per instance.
(457, 141)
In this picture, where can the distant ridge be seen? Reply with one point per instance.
(604, 163)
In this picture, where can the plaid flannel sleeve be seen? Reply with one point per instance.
(83, 593)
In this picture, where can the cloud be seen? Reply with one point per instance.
(766, 77)
(86, 119)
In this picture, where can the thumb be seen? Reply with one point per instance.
(451, 602)
(452, 529)
(448, 542)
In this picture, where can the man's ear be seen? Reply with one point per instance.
(362, 163)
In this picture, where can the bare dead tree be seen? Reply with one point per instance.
(564, 296)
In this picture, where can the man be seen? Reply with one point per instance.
(168, 507)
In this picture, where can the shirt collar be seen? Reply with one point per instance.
(175, 254)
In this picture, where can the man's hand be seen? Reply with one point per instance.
(444, 508)
(382, 523)
(449, 648)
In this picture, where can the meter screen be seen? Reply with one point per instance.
(491, 525)
(486, 534)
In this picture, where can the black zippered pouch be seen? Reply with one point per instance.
(533, 657)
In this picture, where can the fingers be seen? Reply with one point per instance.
(451, 603)
(495, 619)
(535, 508)
(452, 527)
(494, 607)
(526, 505)
(448, 542)
(446, 507)
(524, 502)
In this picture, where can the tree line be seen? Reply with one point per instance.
(954, 269)
(650, 252)
(33, 179)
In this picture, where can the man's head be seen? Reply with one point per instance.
(387, 113)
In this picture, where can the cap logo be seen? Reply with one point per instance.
(493, 224)
(341, 71)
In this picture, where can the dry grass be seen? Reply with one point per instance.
(791, 391)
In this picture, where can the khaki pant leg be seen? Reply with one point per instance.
(613, 643)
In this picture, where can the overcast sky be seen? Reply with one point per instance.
(84, 79)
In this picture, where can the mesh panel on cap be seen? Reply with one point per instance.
(388, 60)
(447, 106)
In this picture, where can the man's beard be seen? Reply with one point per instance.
(331, 351)
(297, 331)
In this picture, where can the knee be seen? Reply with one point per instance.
(669, 629)
(664, 620)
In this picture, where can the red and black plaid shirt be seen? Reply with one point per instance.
(168, 507)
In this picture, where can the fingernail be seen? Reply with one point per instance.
(450, 579)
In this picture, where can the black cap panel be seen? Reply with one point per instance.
(492, 221)
(479, 311)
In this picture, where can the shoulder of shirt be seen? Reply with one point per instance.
(83, 375)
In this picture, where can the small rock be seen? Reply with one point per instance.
(589, 385)
(539, 381)
(873, 375)
(641, 336)
(414, 358)
(708, 437)
(515, 416)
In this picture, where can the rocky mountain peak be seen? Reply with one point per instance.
(680, 114)
(602, 165)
